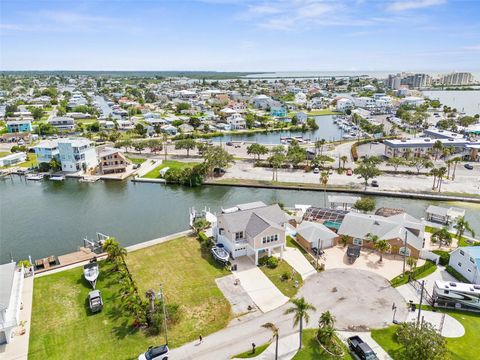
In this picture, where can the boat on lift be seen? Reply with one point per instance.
(91, 272)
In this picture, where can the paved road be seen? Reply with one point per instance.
(362, 299)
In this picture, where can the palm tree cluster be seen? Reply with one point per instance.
(326, 334)
(442, 237)
(463, 226)
(381, 245)
(438, 175)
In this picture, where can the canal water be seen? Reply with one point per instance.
(467, 101)
(326, 130)
(51, 218)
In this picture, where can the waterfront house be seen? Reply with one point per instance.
(343, 104)
(13, 159)
(77, 154)
(11, 280)
(16, 126)
(466, 260)
(112, 161)
(277, 109)
(252, 229)
(313, 234)
(301, 117)
(236, 122)
(46, 150)
(394, 229)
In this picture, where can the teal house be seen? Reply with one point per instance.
(17, 126)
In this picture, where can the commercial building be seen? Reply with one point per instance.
(457, 78)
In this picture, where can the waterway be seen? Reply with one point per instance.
(45, 218)
(467, 101)
(326, 130)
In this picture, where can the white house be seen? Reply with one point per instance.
(252, 229)
(11, 280)
(343, 104)
(236, 122)
(62, 123)
(13, 159)
(77, 154)
(466, 260)
(300, 98)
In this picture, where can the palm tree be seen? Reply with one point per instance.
(441, 236)
(326, 319)
(441, 173)
(437, 148)
(300, 311)
(326, 335)
(382, 246)
(372, 238)
(412, 263)
(344, 159)
(434, 172)
(324, 181)
(455, 160)
(461, 226)
(274, 331)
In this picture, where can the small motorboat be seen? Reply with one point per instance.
(34, 177)
(90, 272)
(59, 177)
(220, 254)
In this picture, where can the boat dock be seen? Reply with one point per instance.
(56, 262)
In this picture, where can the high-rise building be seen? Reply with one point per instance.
(457, 78)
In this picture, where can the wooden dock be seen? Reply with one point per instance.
(83, 254)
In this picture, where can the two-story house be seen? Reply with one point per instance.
(466, 260)
(252, 229)
(11, 280)
(112, 161)
(46, 151)
(236, 122)
(16, 126)
(77, 154)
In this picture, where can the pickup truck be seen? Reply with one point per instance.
(361, 349)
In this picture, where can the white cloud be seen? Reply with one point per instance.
(472, 48)
(404, 5)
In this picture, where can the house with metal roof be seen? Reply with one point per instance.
(11, 280)
(253, 229)
(466, 260)
(396, 230)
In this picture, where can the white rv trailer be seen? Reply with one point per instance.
(458, 295)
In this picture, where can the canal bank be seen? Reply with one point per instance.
(51, 218)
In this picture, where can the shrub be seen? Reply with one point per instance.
(456, 274)
(263, 261)
(272, 262)
(202, 237)
(444, 257)
(285, 276)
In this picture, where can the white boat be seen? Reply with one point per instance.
(34, 177)
(90, 272)
(220, 254)
(57, 177)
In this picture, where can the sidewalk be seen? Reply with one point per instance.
(287, 348)
(297, 261)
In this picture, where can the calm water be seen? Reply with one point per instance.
(326, 130)
(465, 101)
(45, 218)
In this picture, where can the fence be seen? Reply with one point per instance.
(428, 255)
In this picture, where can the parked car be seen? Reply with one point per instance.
(468, 166)
(349, 172)
(136, 166)
(316, 170)
(155, 353)
(374, 183)
(361, 349)
(229, 143)
(95, 302)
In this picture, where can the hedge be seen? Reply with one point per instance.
(456, 274)
(420, 272)
(444, 256)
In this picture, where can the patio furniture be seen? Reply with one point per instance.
(51, 260)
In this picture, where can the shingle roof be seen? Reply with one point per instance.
(312, 231)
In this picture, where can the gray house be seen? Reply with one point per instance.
(252, 229)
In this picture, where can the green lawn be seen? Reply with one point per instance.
(155, 173)
(31, 162)
(188, 277)
(465, 347)
(62, 328)
(285, 286)
(4, 153)
(248, 354)
(136, 160)
(312, 351)
(322, 112)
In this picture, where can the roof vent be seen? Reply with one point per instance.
(404, 140)
(426, 140)
(476, 287)
(452, 284)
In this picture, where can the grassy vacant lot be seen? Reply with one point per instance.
(285, 286)
(311, 349)
(248, 354)
(155, 173)
(465, 347)
(63, 328)
(136, 160)
(188, 277)
(322, 112)
(4, 153)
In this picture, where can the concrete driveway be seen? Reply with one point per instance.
(297, 261)
(360, 300)
(391, 266)
(260, 289)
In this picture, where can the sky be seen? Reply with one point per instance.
(240, 35)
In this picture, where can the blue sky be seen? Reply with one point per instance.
(240, 35)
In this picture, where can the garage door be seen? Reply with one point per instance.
(3, 338)
(240, 252)
(327, 243)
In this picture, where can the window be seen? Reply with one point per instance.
(462, 252)
(472, 260)
(459, 264)
(469, 270)
(239, 235)
(358, 241)
(403, 251)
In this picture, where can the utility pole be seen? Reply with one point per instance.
(318, 252)
(162, 298)
(420, 305)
